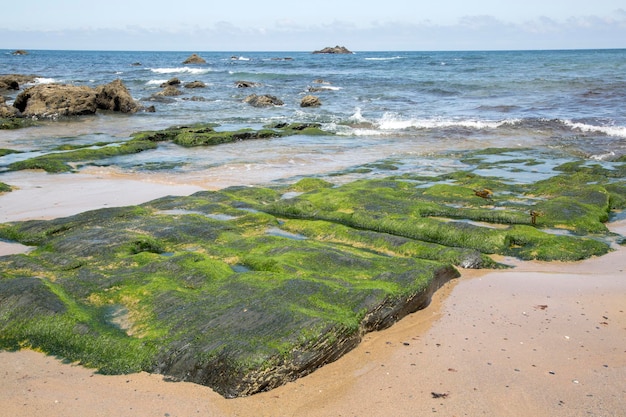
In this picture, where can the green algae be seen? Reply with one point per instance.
(246, 288)
(15, 123)
(62, 159)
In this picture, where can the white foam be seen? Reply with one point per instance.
(618, 131)
(180, 70)
(391, 58)
(358, 116)
(156, 82)
(392, 122)
(42, 80)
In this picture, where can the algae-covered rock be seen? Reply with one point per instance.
(247, 288)
(187, 136)
(212, 290)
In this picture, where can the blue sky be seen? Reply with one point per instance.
(289, 25)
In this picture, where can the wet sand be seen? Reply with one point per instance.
(542, 339)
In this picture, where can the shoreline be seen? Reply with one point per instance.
(542, 339)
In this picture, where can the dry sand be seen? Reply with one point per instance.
(537, 340)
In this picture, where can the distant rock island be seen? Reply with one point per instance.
(334, 50)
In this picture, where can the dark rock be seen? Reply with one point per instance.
(28, 297)
(172, 81)
(169, 91)
(195, 84)
(114, 96)
(334, 50)
(310, 101)
(19, 52)
(195, 98)
(263, 101)
(246, 84)
(194, 59)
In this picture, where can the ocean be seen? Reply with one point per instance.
(412, 107)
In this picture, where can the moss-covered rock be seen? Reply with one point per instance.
(210, 290)
(246, 288)
(189, 136)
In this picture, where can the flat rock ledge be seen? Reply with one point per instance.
(247, 288)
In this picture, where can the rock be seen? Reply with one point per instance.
(171, 81)
(114, 96)
(310, 101)
(19, 52)
(334, 50)
(8, 111)
(13, 81)
(263, 101)
(169, 91)
(194, 59)
(246, 84)
(195, 84)
(195, 98)
(52, 100)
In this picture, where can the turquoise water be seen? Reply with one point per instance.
(404, 105)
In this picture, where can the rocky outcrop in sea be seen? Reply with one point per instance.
(54, 100)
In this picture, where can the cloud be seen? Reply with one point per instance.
(470, 32)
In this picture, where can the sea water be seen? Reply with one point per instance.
(402, 105)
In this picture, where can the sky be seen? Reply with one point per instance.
(291, 25)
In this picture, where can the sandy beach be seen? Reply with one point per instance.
(540, 339)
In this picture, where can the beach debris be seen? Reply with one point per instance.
(483, 193)
(541, 307)
(439, 394)
(533, 216)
